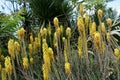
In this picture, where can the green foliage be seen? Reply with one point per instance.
(8, 25)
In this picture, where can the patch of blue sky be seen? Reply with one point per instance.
(7, 6)
(115, 5)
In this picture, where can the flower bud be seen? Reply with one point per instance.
(81, 10)
(103, 28)
(108, 36)
(51, 54)
(63, 39)
(25, 63)
(55, 40)
(49, 29)
(61, 28)
(67, 68)
(68, 32)
(58, 30)
(116, 52)
(93, 29)
(97, 40)
(11, 48)
(44, 31)
(17, 46)
(8, 65)
(80, 24)
(31, 39)
(100, 12)
(56, 22)
(31, 60)
(30, 47)
(21, 33)
(109, 22)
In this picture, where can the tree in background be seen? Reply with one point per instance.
(46, 10)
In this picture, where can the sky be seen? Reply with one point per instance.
(8, 8)
(115, 5)
(5, 6)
